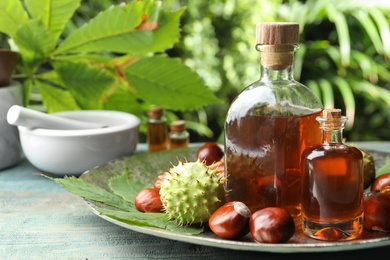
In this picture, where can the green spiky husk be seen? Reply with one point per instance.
(191, 192)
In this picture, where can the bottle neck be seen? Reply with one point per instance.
(276, 61)
(332, 136)
(267, 74)
(332, 131)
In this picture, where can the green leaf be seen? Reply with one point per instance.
(383, 27)
(370, 28)
(87, 82)
(343, 33)
(348, 97)
(34, 42)
(92, 192)
(169, 83)
(53, 13)
(385, 168)
(313, 85)
(327, 93)
(126, 31)
(12, 15)
(136, 218)
(150, 220)
(55, 98)
(105, 32)
(126, 187)
(124, 100)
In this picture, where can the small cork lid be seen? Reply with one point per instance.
(277, 33)
(333, 117)
(178, 126)
(156, 112)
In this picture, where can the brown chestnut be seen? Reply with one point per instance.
(381, 181)
(158, 181)
(271, 225)
(231, 220)
(377, 212)
(209, 153)
(148, 200)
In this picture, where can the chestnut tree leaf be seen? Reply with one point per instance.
(35, 43)
(12, 15)
(135, 28)
(87, 82)
(169, 83)
(92, 192)
(385, 168)
(158, 220)
(126, 187)
(55, 98)
(53, 13)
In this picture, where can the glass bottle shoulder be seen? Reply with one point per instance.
(332, 151)
(277, 98)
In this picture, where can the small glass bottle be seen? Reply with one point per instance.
(178, 136)
(332, 185)
(157, 130)
(269, 125)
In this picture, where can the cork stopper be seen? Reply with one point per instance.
(277, 42)
(156, 113)
(333, 117)
(277, 33)
(178, 126)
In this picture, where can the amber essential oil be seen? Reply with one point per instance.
(332, 186)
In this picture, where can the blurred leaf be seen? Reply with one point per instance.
(169, 83)
(124, 100)
(54, 98)
(87, 82)
(348, 97)
(370, 28)
(313, 85)
(383, 27)
(327, 93)
(34, 42)
(12, 15)
(126, 32)
(53, 13)
(342, 32)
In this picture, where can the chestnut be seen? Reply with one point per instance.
(231, 220)
(381, 181)
(148, 200)
(271, 225)
(377, 212)
(219, 166)
(209, 153)
(157, 182)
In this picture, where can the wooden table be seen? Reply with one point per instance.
(40, 220)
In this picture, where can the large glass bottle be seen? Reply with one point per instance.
(269, 125)
(332, 185)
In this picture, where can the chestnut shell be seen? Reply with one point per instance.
(377, 212)
(231, 220)
(272, 225)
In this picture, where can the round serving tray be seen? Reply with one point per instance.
(148, 166)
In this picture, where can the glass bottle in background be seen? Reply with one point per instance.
(332, 185)
(269, 125)
(178, 136)
(157, 130)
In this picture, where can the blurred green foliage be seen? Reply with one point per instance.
(343, 57)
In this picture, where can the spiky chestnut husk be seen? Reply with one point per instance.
(191, 192)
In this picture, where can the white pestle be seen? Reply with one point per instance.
(21, 116)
